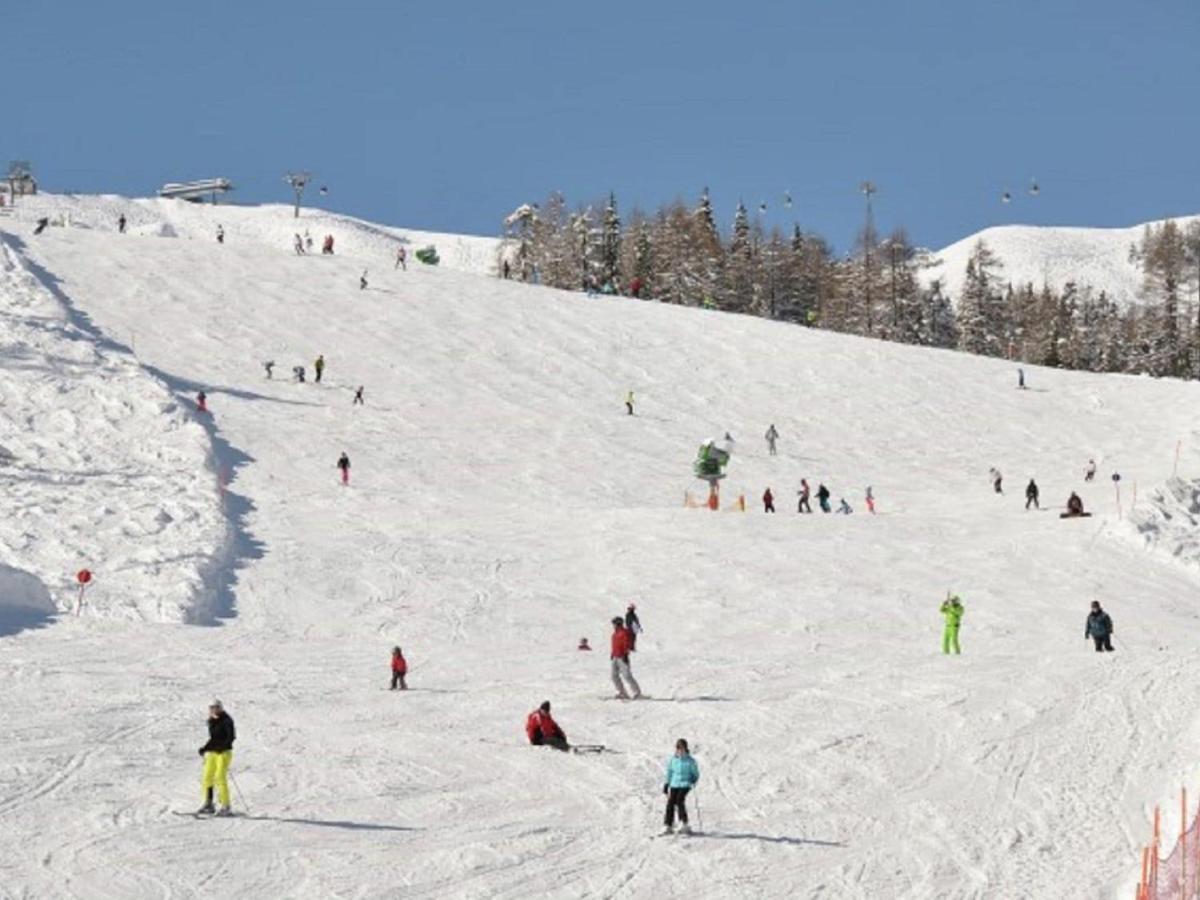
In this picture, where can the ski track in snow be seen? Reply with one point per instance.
(501, 505)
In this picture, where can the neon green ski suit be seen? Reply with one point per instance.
(952, 611)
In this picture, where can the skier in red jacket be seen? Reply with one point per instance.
(399, 669)
(768, 501)
(622, 644)
(543, 731)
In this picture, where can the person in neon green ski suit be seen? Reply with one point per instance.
(952, 612)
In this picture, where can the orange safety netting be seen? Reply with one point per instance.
(1177, 876)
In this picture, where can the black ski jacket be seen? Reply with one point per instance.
(1098, 625)
(221, 734)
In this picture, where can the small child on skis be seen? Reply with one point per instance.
(682, 775)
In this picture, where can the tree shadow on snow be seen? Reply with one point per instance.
(771, 839)
(330, 823)
(20, 619)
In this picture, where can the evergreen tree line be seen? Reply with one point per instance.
(679, 255)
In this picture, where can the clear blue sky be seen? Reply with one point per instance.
(446, 115)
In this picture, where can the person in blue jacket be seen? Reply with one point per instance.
(682, 775)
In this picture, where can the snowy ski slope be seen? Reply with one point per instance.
(501, 506)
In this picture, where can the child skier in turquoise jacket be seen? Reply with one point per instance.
(682, 775)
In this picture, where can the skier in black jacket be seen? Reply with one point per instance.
(1031, 494)
(633, 624)
(1099, 628)
(218, 754)
(823, 497)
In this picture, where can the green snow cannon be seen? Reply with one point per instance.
(429, 255)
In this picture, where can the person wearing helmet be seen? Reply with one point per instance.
(621, 647)
(218, 755)
(543, 731)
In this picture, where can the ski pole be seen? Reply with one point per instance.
(699, 817)
(241, 796)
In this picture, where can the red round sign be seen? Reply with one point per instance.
(84, 576)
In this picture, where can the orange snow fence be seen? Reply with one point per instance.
(1177, 876)
(691, 501)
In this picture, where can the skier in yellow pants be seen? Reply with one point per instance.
(218, 755)
(952, 612)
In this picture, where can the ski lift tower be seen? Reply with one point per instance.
(299, 181)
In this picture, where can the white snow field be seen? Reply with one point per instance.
(1045, 255)
(501, 505)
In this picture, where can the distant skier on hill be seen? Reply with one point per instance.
(1031, 494)
(844, 507)
(308, 241)
(269, 365)
(327, 245)
(629, 403)
(1074, 507)
(220, 234)
(401, 259)
(619, 656)
(772, 436)
(358, 397)
(804, 492)
(682, 775)
(1021, 379)
(298, 245)
(298, 374)
(997, 480)
(41, 225)
(218, 755)
(343, 464)
(202, 402)
(1099, 628)
(1090, 474)
(399, 669)
(870, 500)
(823, 498)
(121, 223)
(952, 612)
(362, 281)
(768, 501)
(543, 731)
(633, 625)
(319, 367)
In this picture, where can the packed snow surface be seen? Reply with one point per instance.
(1098, 258)
(502, 505)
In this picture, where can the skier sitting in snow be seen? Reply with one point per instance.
(682, 775)
(1099, 628)
(399, 669)
(1074, 505)
(543, 731)
(844, 508)
(217, 754)
(1031, 494)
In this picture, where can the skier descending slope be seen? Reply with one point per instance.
(622, 644)
(343, 464)
(543, 731)
(218, 755)
(952, 612)
(1031, 494)
(682, 775)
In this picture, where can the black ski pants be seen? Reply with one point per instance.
(1032, 499)
(768, 506)
(675, 801)
(802, 506)
(629, 406)
(398, 679)
(1103, 642)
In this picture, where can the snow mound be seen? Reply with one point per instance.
(1169, 520)
(101, 468)
(24, 599)
(1096, 257)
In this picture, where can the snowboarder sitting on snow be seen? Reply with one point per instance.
(217, 754)
(343, 464)
(768, 501)
(952, 612)
(399, 669)
(1074, 505)
(543, 731)
(682, 775)
(1099, 628)
(633, 625)
(823, 497)
(583, 644)
(844, 508)
(1031, 494)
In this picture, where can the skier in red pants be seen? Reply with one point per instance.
(343, 463)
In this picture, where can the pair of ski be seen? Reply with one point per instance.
(207, 815)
